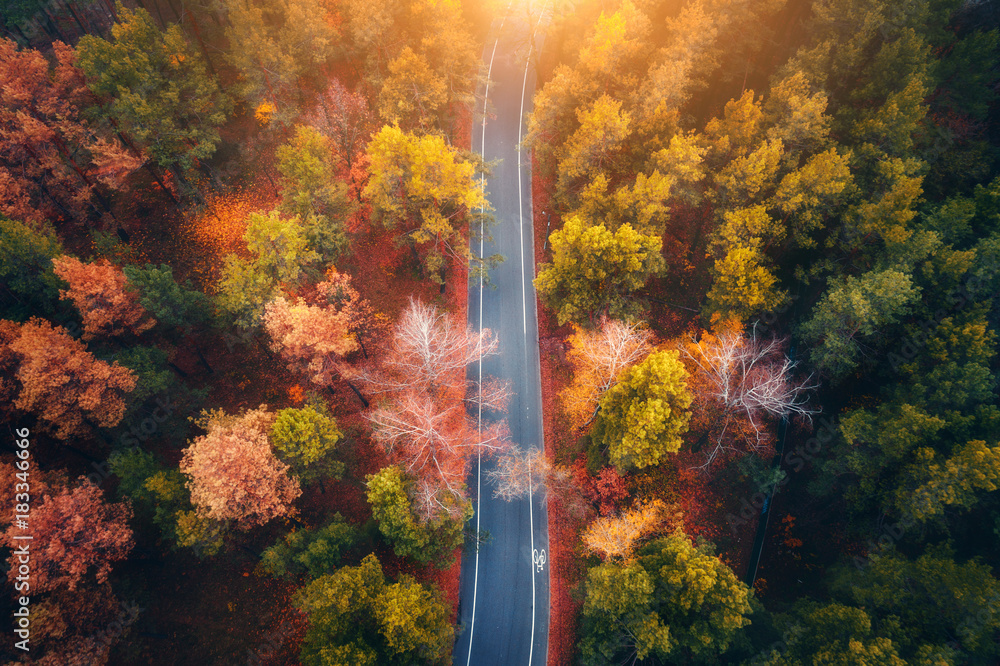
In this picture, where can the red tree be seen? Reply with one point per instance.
(60, 381)
(75, 531)
(99, 291)
(234, 475)
(368, 326)
(344, 117)
(51, 158)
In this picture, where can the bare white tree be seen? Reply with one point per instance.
(430, 350)
(520, 473)
(434, 444)
(492, 395)
(742, 381)
(598, 358)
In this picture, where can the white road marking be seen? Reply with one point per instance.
(538, 559)
(524, 319)
(520, 205)
(479, 455)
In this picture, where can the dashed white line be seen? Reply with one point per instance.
(479, 458)
(524, 319)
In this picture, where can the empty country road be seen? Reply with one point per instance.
(504, 593)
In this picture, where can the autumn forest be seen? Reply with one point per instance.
(238, 243)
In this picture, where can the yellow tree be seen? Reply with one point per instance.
(811, 194)
(413, 93)
(958, 481)
(674, 600)
(429, 190)
(603, 129)
(616, 537)
(643, 416)
(594, 271)
(744, 284)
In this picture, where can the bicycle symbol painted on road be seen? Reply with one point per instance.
(538, 558)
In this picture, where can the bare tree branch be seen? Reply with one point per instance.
(598, 358)
(743, 382)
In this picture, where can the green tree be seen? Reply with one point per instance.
(966, 73)
(311, 191)
(851, 308)
(153, 375)
(305, 439)
(831, 634)
(928, 602)
(674, 600)
(199, 532)
(172, 305)
(156, 90)
(426, 541)
(158, 494)
(429, 190)
(310, 552)
(277, 45)
(923, 451)
(594, 271)
(28, 286)
(643, 416)
(356, 617)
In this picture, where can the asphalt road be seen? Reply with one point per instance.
(504, 594)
